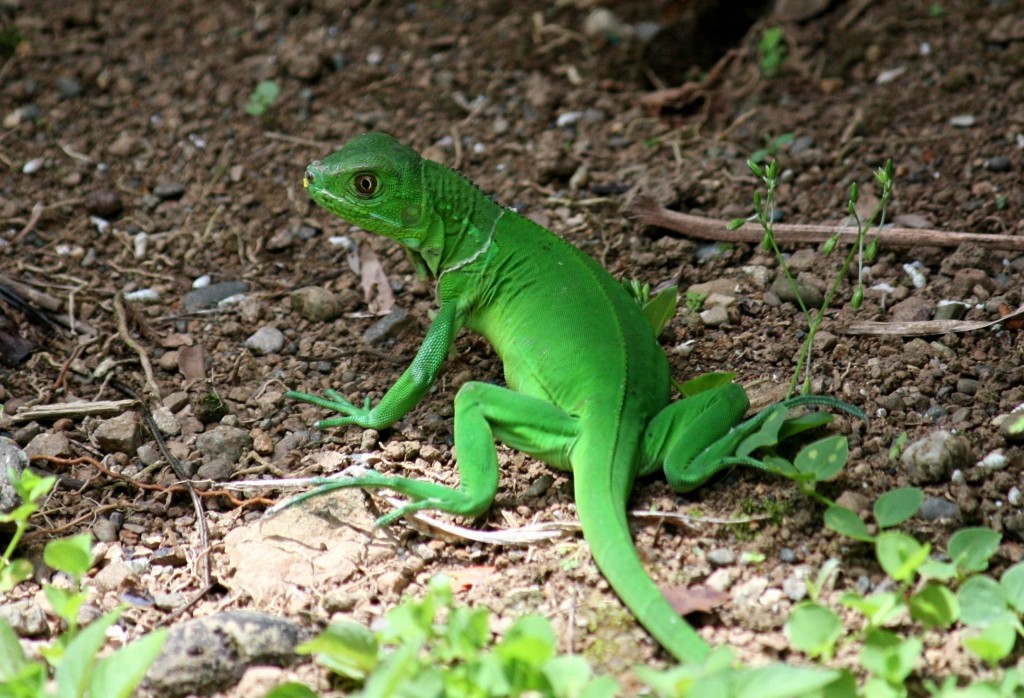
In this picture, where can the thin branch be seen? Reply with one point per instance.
(649, 212)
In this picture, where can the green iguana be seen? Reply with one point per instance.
(588, 383)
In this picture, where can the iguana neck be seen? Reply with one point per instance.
(464, 218)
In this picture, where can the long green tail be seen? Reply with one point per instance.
(606, 529)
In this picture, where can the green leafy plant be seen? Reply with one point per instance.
(773, 145)
(861, 250)
(78, 672)
(658, 309)
(262, 98)
(771, 51)
(433, 647)
(924, 592)
(695, 301)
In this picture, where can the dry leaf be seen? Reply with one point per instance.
(192, 363)
(374, 282)
(686, 600)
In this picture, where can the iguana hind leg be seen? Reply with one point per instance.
(484, 414)
(690, 437)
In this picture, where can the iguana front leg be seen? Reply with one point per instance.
(408, 390)
(484, 413)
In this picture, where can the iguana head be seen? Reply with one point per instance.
(375, 182)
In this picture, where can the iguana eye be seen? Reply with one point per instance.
(366, 184)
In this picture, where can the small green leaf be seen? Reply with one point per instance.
(262, 98)
(900, 555)
(1012, 583)
(803, 423)
(291, 689)
(767, 434)
(994, 643)
(936, 569)
(890, 657)
(824, 458)
(935, 606)
(878, 608)
(705, 382)
(75, 668)
(971, 548)
(64, 603)
(896, 506)
(529, 640)
(14, 573)
(736, 223)
(781, 681)
(813, 629)
(346, 648)
(817, 585)
(844, 521)
(982, 602)
(70, 555)
(758, 172)
(12, 656)
(118, 675)
(662, 308)
(567, 674)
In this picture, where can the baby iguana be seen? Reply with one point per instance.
(588, 383)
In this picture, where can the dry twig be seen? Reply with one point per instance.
(122, 331)
(650, 212)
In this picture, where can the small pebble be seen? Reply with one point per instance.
(721, 557)
(962, 120)
(998, 164)
(170, 190)
(33, 165)
(104, 203)
(266, 340)
(967, 386)
(1014, 497)
(994, 460)
(938, 509)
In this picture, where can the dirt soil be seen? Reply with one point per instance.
(130, 165)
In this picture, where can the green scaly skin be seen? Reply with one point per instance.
(588, 383)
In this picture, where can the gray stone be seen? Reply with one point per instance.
(967, 386)
(715, 315)
(224, 442)
(50, 443)
(169, 190)
(122, 433)
(911, 309)
(934, 457)
(13, 459)
(998, 163)
(208, 654)
(111, 577)
(210, 296)
(105, 530)
(721, 557)
(266, 340)
(218, 469)
(387, 327)
(26, 618)
(950, 310)
(781, 287)
(938, 509)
